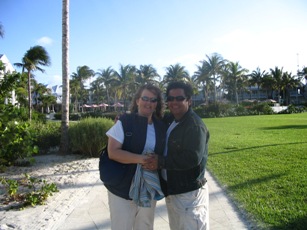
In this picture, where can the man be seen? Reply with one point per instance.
(183, 164)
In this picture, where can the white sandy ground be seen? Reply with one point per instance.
(73, 176)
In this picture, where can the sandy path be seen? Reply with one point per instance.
(73, 177)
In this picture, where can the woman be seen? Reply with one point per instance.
(147, 134)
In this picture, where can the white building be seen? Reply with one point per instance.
(8, 69)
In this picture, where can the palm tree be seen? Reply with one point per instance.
(201, 76)
(235, 78)
(1, 30)
(74, 88)
(288, 82)
(303, 73)
(215, 65)
(147, 74)
(64, 145)
(125, 81)
(97, 90)
(176, 72)
(34, 58)
(42, 96)
(256, 79)
(82, 74)
(105, 76)
(39, 90)
(277, 76)
(267, 83)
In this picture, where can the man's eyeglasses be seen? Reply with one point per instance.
(152, 100)
(178, 98)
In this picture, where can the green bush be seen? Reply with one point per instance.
(72, 116)
(262, 109)
(17, 142)
(293, 109)
(230, 110)
(48, 135)
(214, 110)
(94, 114)
(88, 135)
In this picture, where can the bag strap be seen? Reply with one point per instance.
(127, 123)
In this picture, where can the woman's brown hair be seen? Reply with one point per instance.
(157, 92)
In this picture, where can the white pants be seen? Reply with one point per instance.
(189, 211)
(126, 215)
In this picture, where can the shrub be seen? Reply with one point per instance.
(200, 111)
(48, 135)
(17, 142)
(88, 135)
(72, 116)
(262, 109)
(293, 109)
(214, 110)
(94, 114)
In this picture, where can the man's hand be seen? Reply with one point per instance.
(151, 162)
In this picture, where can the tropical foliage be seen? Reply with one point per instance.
(215, 80)
(33, 59)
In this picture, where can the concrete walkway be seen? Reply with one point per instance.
(93, 212)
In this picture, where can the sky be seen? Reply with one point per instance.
(110, 33)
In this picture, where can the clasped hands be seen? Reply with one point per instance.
(150, 161)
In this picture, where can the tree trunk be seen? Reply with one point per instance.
(29, 95)
(64, 146)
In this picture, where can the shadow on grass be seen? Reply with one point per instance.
(299, 223)
(234, 149)
(286, 127)
(255, 181)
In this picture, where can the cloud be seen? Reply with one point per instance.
(55, 80)
(43, 41)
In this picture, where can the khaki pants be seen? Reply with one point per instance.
(126, 215)
(189, 211)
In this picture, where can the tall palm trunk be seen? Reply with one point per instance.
(108, 96)
(29, 95)
(64, 147)
(214, 89)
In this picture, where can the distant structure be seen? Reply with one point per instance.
(8, 69)
(56, 90)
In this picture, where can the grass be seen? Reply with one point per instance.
(262, 162)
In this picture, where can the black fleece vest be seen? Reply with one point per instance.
(138, 132)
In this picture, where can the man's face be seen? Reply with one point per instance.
(178, 103)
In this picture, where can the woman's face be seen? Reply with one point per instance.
(147, 103)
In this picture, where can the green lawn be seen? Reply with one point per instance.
(262, 162)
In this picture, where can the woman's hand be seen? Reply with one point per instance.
(150, 162)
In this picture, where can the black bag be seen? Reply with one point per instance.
(112, 172)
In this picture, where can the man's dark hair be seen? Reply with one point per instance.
(188, 91)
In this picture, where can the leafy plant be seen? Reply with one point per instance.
(47, 135)
(17, 142)
(88, 135)
(11, 186)
(38, 190)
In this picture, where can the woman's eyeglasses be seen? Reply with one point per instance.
(178, 98)
(152, 100)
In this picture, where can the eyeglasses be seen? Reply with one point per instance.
(178, 98)
(152, 100)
